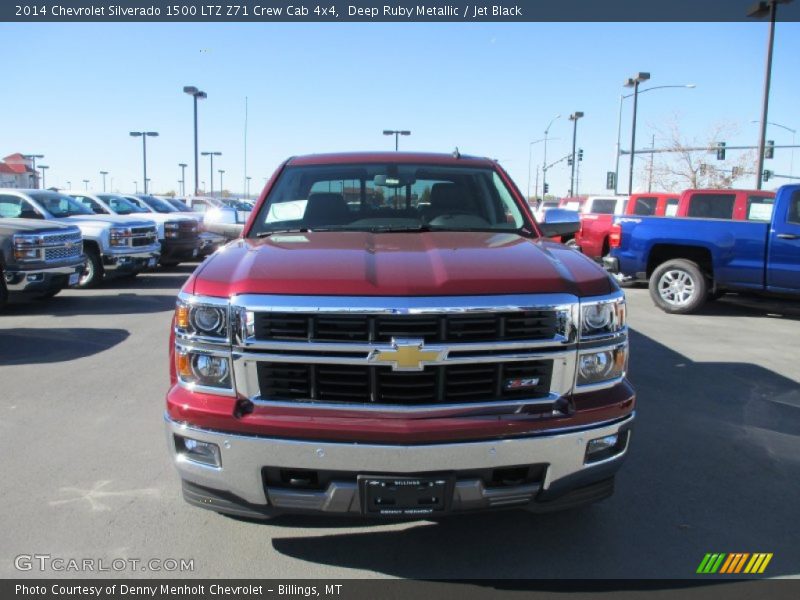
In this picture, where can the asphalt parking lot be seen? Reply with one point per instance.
(714, 464)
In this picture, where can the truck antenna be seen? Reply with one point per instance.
(456, 153)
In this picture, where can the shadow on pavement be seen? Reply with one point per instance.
(90, 302)
(715, 457)
(39, 346)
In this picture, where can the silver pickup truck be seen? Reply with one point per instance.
(38, 259)
(111, 244)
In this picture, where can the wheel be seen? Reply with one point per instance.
(678, 286)
(93, 271)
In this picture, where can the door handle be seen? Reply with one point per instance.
(788, 236)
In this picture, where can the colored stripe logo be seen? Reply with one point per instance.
(734, 563)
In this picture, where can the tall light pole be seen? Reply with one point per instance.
(135, 187)
(544, 158)
(211, 155)
(574, 118)
(104, 173)
(247, 181)
(183, 178)
(197, 95)
(634, 83)
(396, 133)
(619, 123)
(221, 173)
(760, 10)
(86, 184)
(530, 149)
(33, 157)
(144, 135)
(43, 168)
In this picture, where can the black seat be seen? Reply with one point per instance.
(326, 208)
(450, 198)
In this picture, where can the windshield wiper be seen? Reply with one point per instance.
(264, 234)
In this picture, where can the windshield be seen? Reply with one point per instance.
(60, 205)
(179, 205)
(236, 204)
(158, 205)
(389, 197)
(604, 206)
(120, 205)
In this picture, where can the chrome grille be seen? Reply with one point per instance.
(62, 246)
(143, 236)
(452, 384)
(525, 325)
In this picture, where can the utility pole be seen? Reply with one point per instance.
(574, 118)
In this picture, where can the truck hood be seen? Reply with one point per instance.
(29, 225)
(397, 264)
(112, 220)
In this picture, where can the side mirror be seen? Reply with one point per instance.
(558, 221)
(229, 230)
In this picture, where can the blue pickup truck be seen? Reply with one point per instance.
(687, 260)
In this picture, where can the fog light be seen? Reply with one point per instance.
(605, 447)
(35, 277)
(201, 452)
(602, 366)
(210, 368)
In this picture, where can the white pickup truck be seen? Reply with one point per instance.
(111, 244)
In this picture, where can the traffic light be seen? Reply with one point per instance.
(611, 180)
(769, 150)
(546, 187)
(720, 150)
(569, 160)
(766, 174)
(580, 154)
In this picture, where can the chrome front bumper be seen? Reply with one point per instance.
(124, 260)
(43, 279)
(244, 457)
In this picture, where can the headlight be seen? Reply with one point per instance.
(171, 229)
(603, 317)
(202, 368)
(602, 366)
(119, 236)
(201, 319)
(27, 248)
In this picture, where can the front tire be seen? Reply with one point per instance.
(678, 287)
(93, 271)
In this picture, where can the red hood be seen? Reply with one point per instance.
(397, 264)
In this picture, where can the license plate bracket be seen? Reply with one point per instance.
(74, 278)
(151, 262)
(405, 496)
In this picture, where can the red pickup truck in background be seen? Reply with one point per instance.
(735, 205)
(597, 216)
(653, 205)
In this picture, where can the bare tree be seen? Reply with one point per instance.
(682, 168)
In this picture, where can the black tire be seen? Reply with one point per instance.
(93, 272)
(678, 286)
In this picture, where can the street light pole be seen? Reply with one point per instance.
(221, 173)
(183, 178)
(135, 186)
(33, 157)
(144, 135)
(762, 9)
(634, 83)
(86, 185)
(247, 180)
(197, 95)
(211, 156)
(574, 118)
(104, 173)
(544, 158)
(396, 133)
(43, 169)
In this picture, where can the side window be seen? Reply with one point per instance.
(645, 206)
(198, 206)
(712, 206)
(759, 208)
(10, 206)
(793, 216)
(91, 205)
(672, 207)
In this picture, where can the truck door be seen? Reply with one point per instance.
(783, 262)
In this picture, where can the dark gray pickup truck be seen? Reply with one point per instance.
(38, 258)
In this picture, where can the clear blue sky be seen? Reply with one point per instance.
(73, 92)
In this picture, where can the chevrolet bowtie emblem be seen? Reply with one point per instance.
(407, 355)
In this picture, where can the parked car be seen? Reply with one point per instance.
(181, 233)
(688, 260)
(597, 217)
(401, 359)
(38, 259)
(657, 204)
(543, 207)
(224, 211)
(209, 242)
(171, 227)
(112, 245)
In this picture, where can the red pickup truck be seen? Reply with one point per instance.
(394, 336)
(652, 205)
(735, 205)
(597, 217)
